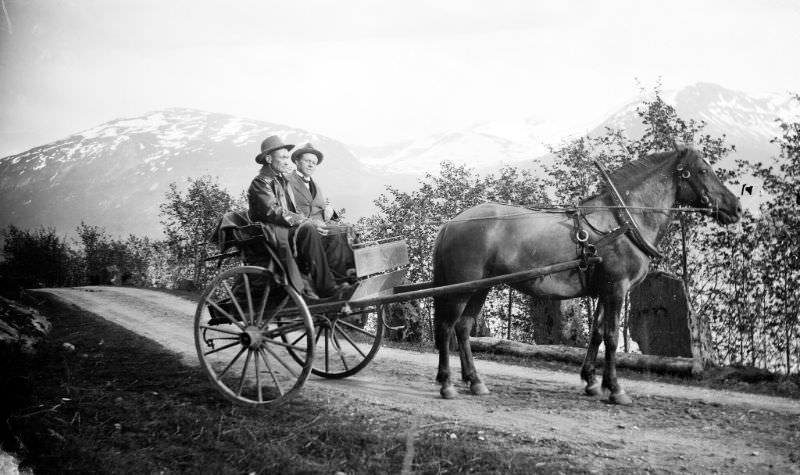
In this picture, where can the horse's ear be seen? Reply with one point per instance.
(680, 150)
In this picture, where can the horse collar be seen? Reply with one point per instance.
(624, 215)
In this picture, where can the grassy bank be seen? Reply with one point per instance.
(100, 399)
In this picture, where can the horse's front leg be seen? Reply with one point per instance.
(596, 337)
(612, 305)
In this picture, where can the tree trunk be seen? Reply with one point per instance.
(659, 364)
(626, 317)
(510, 308)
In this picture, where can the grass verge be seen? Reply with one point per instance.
(119, 403)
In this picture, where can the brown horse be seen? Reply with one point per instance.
(493, 239)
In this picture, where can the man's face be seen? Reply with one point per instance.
(280, 161)
(307, 163)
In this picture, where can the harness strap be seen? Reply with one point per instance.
(625, 217)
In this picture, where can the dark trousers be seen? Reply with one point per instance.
(339, 253)
(311, 258)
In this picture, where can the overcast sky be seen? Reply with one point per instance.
(370, 72)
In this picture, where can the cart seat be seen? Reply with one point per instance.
(258, 244)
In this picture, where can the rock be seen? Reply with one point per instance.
(21, 327)
(10, 465)
(184, 284)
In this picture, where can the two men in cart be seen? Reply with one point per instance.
(273, 199)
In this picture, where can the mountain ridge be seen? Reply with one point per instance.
(116, 173)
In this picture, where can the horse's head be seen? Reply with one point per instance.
(699, 186)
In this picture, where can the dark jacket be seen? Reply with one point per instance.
(270, 200)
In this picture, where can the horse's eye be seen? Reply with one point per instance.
(703, 172)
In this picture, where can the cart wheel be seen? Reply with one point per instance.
(345, 343)
(241, 328)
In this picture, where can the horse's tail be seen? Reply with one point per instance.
(437, 264)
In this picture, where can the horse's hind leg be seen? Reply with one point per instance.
(463, 328)
(596, 337)
(447, 311)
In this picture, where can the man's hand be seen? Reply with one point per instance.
(322, 228)
(327, 213)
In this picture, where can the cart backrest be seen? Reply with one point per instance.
(380, 257)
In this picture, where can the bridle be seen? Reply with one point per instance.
(684, 175)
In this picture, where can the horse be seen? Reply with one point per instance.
(494, 239)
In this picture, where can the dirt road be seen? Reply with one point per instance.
(670, 428)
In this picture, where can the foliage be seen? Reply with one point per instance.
(108, 260)
(36, 258)
(417, 215)
(189, 219)
(742, 279)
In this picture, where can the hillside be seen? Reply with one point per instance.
(115, 175)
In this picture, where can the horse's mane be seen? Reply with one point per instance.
(637, 170)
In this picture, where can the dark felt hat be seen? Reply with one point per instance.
(269, 145)
(307, 148)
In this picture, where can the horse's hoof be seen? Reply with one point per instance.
(448, 392)
(620, 398)
(593, 390)
(479, 389)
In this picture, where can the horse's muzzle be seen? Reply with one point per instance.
(728, 215)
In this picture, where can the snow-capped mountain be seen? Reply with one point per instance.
(115, 175)
(747, 120)
(485, 145)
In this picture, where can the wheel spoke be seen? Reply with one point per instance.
(235, 358)
(357, 328)
(271, 373)
(339, 350)
(288, 368)
(278, 308)
(263, 306)
(215, 350)
(286, 345)
(258, 379)
(249, 300)
(221, 330)
(244, 372)
(233, 299)
(226, 314)
(327, 344)
(350, 340)
(302, 335)
(297, 325)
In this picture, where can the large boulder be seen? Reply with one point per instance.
(663, 323)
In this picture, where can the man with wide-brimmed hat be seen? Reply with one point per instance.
(271, 201)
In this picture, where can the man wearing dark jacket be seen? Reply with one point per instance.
(271, 201)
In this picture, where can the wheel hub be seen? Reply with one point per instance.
(251, 337)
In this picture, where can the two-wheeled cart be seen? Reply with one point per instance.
(258, 340)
